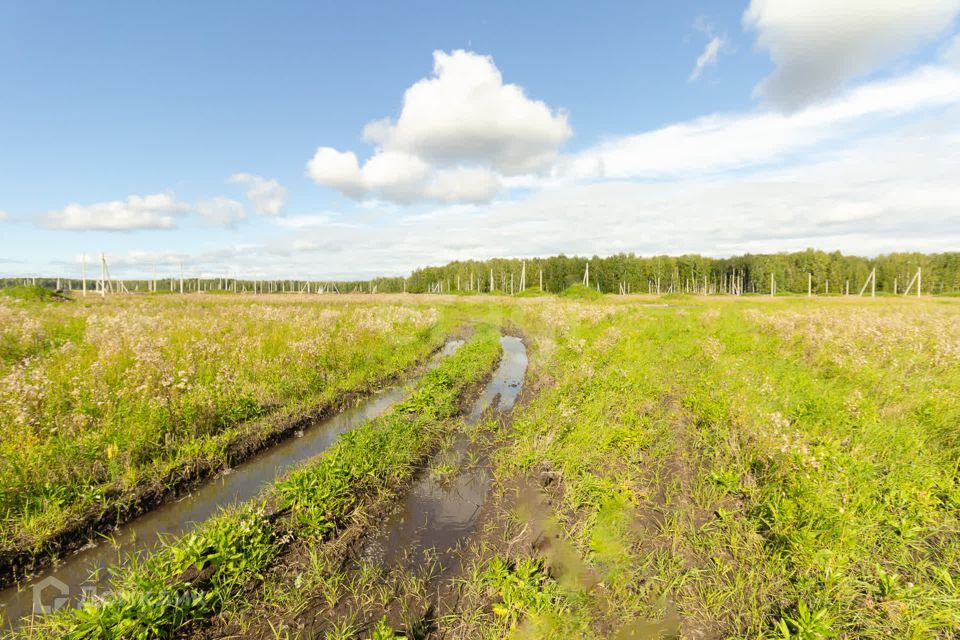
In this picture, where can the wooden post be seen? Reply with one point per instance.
(181, 278)
(773, 285)
(541, 280)
(523, 276)
(103, 276)
(491, 279)
(809, 284)
(586, 275)
(511, 283)
(919, 281)
(916, 278)
(828, 287)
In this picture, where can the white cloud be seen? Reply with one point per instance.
(220, 212)
(729, 142)
(465, 114)
(707, 58)
(305, 222)
(338, 170)
(155, 211)
(461, 124)
(464, 185)
(268, 197)
(818, 45)
(396, 175)
(4, 215)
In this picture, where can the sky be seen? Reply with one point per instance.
(351, 140)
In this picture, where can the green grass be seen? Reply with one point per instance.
(782, 470)
(728, 468)
(158, 597)
(31, 293)
(102, 397)
(580, 292)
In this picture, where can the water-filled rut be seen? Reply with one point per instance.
(439, 514)
(86, 572)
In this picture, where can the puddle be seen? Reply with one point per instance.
(439, 514)
(85, 573)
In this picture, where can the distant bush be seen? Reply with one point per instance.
(531, 292)
(32, 293)
(580, 292)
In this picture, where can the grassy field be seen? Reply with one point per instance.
(106, 405)
(679, 467)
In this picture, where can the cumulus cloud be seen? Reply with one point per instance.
(464, 185)
(155, 211)
(819, 45)
(220, 212)
(267, 196)
(458, 132)
(707, 58)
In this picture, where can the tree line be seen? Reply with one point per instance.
(824, 272)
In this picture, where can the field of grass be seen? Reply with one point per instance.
(678, 467)
(735, 470)
(102, 403)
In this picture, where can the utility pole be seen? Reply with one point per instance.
(104, 276)
(872, 281)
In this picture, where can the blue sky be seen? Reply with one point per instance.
(234, 138)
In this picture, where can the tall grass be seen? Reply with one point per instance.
(189, 578)
(98, 398)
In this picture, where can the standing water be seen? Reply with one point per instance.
(86, 573)
(438, 515)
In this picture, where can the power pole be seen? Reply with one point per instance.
(104, 276)
(872, 281)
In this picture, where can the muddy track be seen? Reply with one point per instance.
(385, 531)
(123, 506)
